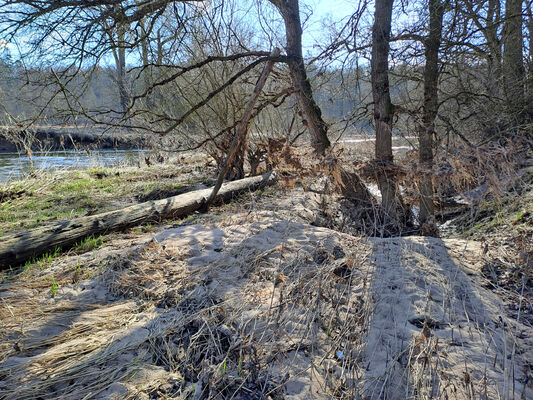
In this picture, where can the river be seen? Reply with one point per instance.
(15, 165)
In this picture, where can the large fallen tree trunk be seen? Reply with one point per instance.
(15, 249)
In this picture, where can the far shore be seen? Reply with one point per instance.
(54, 138)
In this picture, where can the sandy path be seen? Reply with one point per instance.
(466, 352)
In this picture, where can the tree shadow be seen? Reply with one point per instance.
(86, 363)
(172, 307)
(433, 332)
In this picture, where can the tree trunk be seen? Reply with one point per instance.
(383, 108)
(426, 128)
(237, 168)
(121, 68)
(310, 111)
(530, 62)
(147, 69)
(15, 249)
(513, 65)
(118, 49)
(353, 187)
(495, 48)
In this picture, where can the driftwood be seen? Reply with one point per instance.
(15, 249)
(452, 207)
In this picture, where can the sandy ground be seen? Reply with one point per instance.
(259, 307)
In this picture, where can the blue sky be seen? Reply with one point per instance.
(335, 10)
(314, 30)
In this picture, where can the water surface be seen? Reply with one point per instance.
(16, 165)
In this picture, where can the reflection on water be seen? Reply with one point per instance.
(14, 165)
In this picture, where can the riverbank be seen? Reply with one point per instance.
(63, 194)
(266, 294)
(54, 138)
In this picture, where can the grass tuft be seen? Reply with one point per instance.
(88, 244)
(43, 261)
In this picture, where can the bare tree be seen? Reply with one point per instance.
(318, 129)
(383, 107)
(429, 111)
(529, 98)
(116, 32)
(513, 64)
(486, 16)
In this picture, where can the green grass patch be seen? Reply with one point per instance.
(42, 261)
(88, 244)
(510, 213)
(148, 227)
(54, 287)
(82, 185)
(64, 195)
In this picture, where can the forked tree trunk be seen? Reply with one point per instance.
(426, 128)
(383, 108)
(310, 111)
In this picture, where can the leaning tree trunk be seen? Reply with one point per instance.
(352, 187)
(383, 108)
(310, 111)
(237, 145)
(426, 128)
(513, 65)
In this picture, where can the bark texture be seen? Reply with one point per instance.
(429, 112)
(383, 108)
(118, 44)
(495, 47)
(121, 70)
(529, 97)
(310, 111)
(513, 64)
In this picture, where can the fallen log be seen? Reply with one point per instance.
(17, 248)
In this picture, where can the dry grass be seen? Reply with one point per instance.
(204, 337)
(263, 310)
(248, 306)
